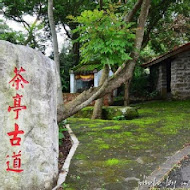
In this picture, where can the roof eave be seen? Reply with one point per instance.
(171, 54)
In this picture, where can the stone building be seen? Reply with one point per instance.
(170, 73)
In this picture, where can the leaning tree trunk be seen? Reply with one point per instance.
(97, 112)
(124, 73)
(56, 59)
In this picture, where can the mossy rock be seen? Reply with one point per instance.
(117, 112)
(110, 112)
(84, 113)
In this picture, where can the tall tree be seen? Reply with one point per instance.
(124, 73)
(56, 59)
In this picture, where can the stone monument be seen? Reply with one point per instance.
(28, 116)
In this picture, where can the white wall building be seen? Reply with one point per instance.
(85, 76)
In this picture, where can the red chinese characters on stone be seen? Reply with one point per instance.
(18, 80)
(16, 166)
(17, 105)
(15, 141)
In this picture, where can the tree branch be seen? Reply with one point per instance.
(30, 31)
(20, 20)
(117, 79)
(155, 20)
(129, 17)
(67, 32)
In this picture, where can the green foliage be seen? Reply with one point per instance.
(163, 125)
(10, 35)
(62, 128)
(112, 162)
(120, 117)
(63, 8)
(104, 36)
(153, 94)
(140, 83)
(17, 9)
(110, 113)
(168, 25)
(163, 17)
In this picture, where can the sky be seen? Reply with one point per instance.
(29, 19)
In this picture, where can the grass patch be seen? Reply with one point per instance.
(110, 151)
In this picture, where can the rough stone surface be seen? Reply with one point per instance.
(159, 79)
(39, 143)
(129, 112)
(180, 76)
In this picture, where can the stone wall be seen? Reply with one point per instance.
(162, 80)
(180, 76)
(158, 79)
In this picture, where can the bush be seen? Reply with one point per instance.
(140, 85)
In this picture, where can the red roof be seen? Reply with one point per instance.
(170, 54)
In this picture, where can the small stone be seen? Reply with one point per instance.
(132, 179)
(139, 160)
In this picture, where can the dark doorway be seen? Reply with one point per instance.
(168, 75)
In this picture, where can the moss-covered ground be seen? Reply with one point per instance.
(113, 155)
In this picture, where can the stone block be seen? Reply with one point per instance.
(29, 131)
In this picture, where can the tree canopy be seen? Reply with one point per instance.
(104, 37)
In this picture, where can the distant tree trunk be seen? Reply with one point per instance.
(53, 33)
(76, 45)
(56, 59)
(75, 49)
(101, 4)
(97, 112)
(126, 92)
